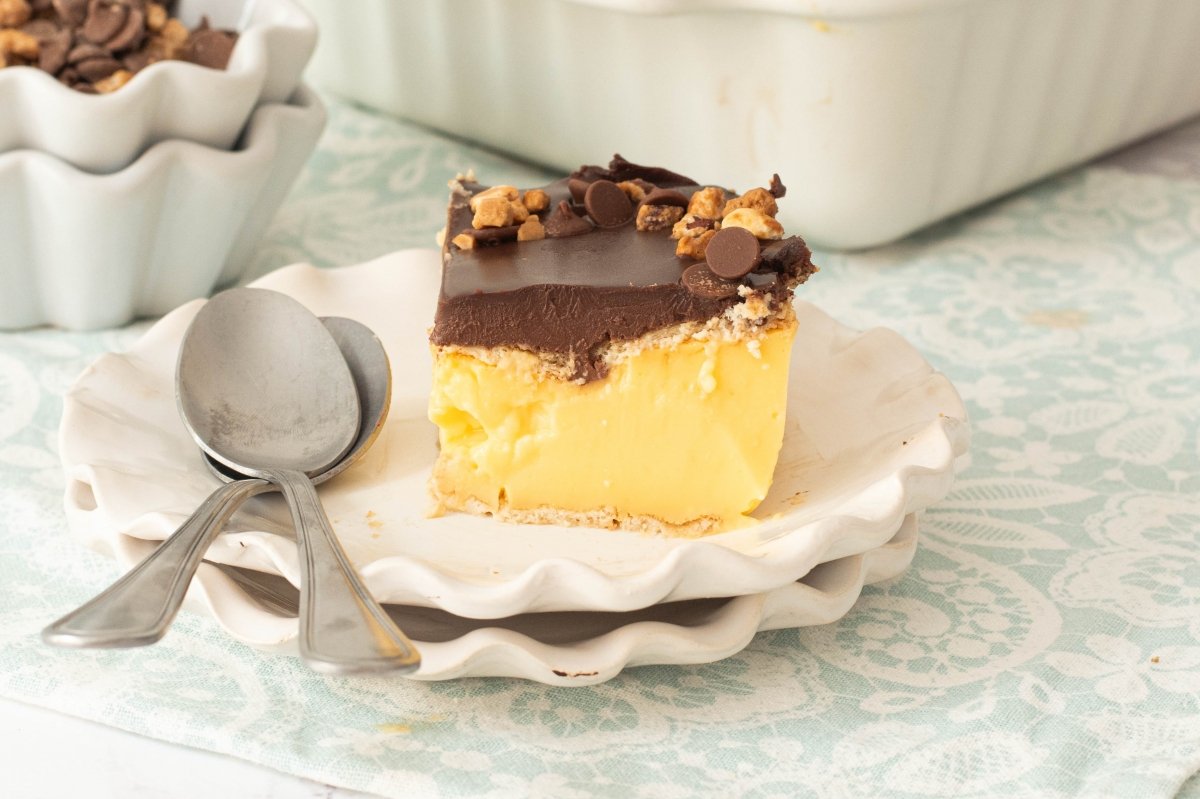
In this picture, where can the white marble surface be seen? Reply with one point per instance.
(46, 755)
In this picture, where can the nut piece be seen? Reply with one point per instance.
(536, 200)
(113, 81)
(519, 212)
(758, 199)
(707, 202)
(507, 192)
(758, 223)
(17, 48)
(658, 217)
(168, 43)
(13, 13)
(156, 17)
(531, 230)
(694, 243)
(464, 241)
(633, 191)
(494, 211)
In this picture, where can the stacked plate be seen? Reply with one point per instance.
(129, 203)
(873, 435)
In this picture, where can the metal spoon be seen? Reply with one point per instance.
(138, 609)
(264, 390)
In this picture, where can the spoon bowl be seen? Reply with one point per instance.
(262, 385)
(372, 375)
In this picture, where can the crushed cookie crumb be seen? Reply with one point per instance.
(658, 217)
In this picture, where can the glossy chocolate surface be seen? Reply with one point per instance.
(571, 296)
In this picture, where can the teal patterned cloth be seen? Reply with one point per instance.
(1045, 643)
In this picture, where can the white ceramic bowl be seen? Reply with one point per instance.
(85, 251)
(167, 100)
(880, 115)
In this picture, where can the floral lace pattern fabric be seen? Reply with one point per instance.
(1045, 642)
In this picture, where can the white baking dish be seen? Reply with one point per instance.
(167, 100)
(87, 251)
(880, 115)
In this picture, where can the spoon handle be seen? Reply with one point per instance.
(137, 609)
(343, 630)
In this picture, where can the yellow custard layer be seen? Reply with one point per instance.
(687, 435)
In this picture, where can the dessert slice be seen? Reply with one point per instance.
(612, 350)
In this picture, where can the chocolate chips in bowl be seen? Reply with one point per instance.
(127, 126)
(97, 46)
(96, 83)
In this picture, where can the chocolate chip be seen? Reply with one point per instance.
(607, 205)
(52, 51)
(701, 222)
(131, 34)
(732, 253)
(104, 19)
(209, 48)
(666, 197)
(71, 12)
(702, 282)
(40, 28)
(136, 62)
(93, 63)
(53, 43)
(96, 69)
(578, 189)
(564, 222)
(776, 188)
(84, 51)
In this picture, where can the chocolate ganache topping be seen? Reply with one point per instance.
(577, 283)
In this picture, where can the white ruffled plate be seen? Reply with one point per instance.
(872, 435)
(584, 648)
